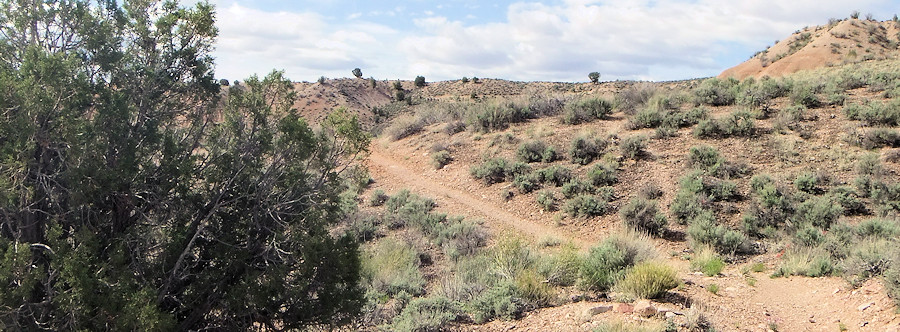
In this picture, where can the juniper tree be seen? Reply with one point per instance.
(135, 195)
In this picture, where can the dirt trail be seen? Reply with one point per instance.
(457, 201)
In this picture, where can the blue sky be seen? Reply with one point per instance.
(519, 40)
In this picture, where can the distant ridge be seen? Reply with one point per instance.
(837, 43)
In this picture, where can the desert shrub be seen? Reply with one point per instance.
(716, 92)
(533, 290)
(561, 268)
(643, 215)
(419, 81)
(869, 258)
(650, 190)
(363, 226)
(405, 202)
(808, 262)
(704, 231)
(818, 211)
(556, 175)
(789, 118)
(869, 164)
(586, 110)
(649, 280)
(404, 126)
(583, 149)
(454, 126)
(738, 123)
(808, 236)
(498, 117)
(603, 174)
(875, 113)
(647, 118)
(706, 158)
(603, 267)
(707, 261)
(585, 206)
(427, 314)
(492, 170)
(880, 137)
(697, 182)
(496, 302)
(761, 92)
(462, 238)
(547, 200)
(531, 151)
(808, 182)
(686, 206)
(634, 96)
(891, 283)
(511, 255)
(847, 198)
(440, 159)
(877, 227)
(633, 146)
(575, 187)
(527, 183)
(377, 198)
(805, 95)
(391, 267)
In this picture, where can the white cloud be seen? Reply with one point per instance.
(622, 39)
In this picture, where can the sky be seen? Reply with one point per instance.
(561, 40)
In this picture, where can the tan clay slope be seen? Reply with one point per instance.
(842, 42)
(316, 100)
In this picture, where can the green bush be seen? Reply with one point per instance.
(391, 267)
(869, 258)
(805, 95)
(498, 170)
(498, 117)
(704, 231)
(880, 137)
(818, 211)
(649, 280)
(427, 314)
(808, 262)
(531, 151)
(562, 267)
(461, 238)
(586, 110)
(876, 227)
(585, 206)
(643, 215)
(716, 92)
(556, 175)
(738, 123)
(891, 282)
(574, 187)
(527, 183)
(603, 174)
(707, 261)
(606, 263)
(547, 200)
(808, 182)
(875, 113)
(686, 206)
(633, 146)
(420, 81)
(848, 199)
(583, 150)
(697, 182)
(706, 158)
(499, 301)
(404, 126)
(619, 326)
(809, 236)
(440, 159)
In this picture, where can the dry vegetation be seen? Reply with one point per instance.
(705, 196)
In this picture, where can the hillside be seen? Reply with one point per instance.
(838, 43)
(822, 143)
